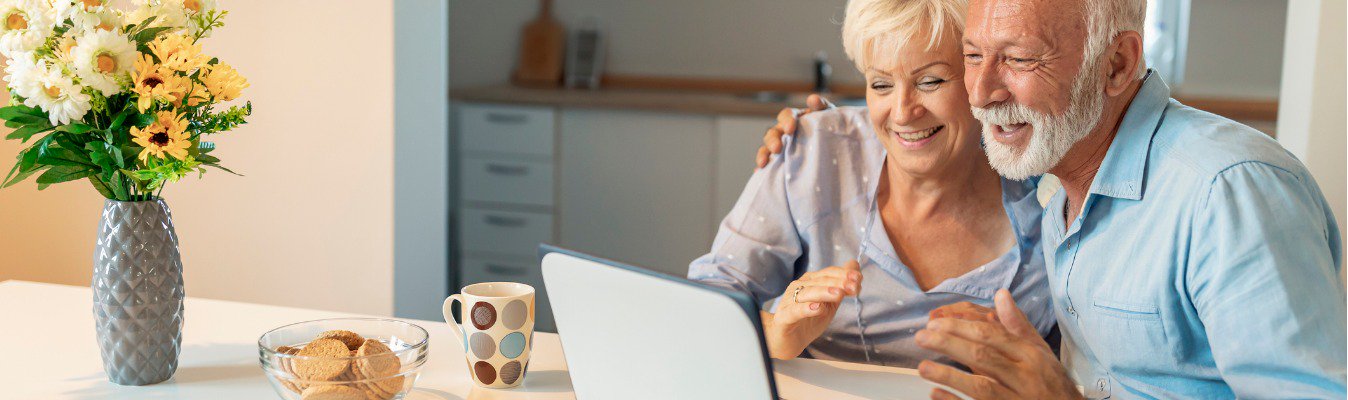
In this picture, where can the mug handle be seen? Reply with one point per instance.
(448, 310)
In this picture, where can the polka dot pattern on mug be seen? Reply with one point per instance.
(485, 372)
(514, 314)
(484, 315)
(483, 345)
(510, 372)
(512, 345)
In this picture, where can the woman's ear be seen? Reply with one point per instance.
(1125, 57)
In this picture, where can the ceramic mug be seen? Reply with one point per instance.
(498, 330)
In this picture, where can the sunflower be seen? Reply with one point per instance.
(153, 82)
(167, 135)
(177, 52)
(223, 81)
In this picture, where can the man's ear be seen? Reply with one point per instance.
(1125, 56)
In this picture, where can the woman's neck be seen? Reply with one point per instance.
(958, 187)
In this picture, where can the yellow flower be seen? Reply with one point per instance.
(177, 52)
(196, 94)
(167, 135)
(154, 82)
(223, 81)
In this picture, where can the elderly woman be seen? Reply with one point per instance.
(874, 217)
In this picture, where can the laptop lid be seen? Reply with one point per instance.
(629, 332)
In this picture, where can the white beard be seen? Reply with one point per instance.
(1052, 135)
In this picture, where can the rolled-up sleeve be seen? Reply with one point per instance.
(1264, 281)
(756, 247)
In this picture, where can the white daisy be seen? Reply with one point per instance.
(171, 13)
(88, 18)
(20, 71)
(103, 60)
(26, 25)
(47, 88)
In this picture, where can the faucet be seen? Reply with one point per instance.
(822, 72)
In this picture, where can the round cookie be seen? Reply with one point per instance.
(286, 365)
(332, 392)
(378, 362)
(351, 339)
(331, 360)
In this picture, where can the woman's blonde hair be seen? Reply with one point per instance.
(874, 28)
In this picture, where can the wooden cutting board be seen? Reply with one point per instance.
(542, 50)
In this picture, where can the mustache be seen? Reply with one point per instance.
(1007, 114)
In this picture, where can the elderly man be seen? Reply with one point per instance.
(1189, 256)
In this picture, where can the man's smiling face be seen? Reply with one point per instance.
(1027, 82)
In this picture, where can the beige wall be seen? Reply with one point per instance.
(311, 224)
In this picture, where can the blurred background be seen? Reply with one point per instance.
(401, 149)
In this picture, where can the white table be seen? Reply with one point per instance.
(47, 333)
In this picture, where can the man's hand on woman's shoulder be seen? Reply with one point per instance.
(786, 125)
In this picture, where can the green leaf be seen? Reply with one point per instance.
(119, 119)
(18, 110)
(217, 166)
(19, 177)
(75, 128)
(144, 120)
(27, 132)
(60, 174)
(29, 119)
(101, 187)
(207, 159)
(147, 35)
(99, 155)
(63, 156)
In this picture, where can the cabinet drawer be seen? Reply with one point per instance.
(522, 270)
(507, 181)
(504, 232)
(507, 129)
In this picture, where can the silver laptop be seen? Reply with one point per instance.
(629, 333)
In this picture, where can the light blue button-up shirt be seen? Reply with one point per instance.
(1204, 265)
(814, 207)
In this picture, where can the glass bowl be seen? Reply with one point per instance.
(375, 376)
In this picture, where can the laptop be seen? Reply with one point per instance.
(629, 332)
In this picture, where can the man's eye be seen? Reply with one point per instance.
(1022, 61)
(973, 57)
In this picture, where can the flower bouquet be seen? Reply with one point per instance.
(125, 100)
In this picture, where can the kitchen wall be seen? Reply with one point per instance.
(1235, 46)
(311, 223)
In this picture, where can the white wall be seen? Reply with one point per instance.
(1235, 48)
(1311, 116)
(421, 164)
(311, 225)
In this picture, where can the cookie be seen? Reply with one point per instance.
(286, 365)
(332, 392)
(330, 360)
(378, 362)
(351, 339)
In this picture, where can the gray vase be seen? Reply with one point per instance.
(138, 292)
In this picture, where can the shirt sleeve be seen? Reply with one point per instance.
(756, 247)
(1264, 281)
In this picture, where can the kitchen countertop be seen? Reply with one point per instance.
(51, 354)
(695, 102)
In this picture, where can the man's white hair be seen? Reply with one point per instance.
(1106, 19)
(874, 31)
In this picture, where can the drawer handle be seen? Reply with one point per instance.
(513, 170)
(499, 118)
(505, 269)
(505, 222)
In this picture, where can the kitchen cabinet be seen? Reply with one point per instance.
(637, 186)
(737, 142)
(646, 188)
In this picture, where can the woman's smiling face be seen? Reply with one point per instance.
(919, 107)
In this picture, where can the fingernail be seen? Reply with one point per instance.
(855, 287)
(833, 290)
(934, 324)
(921, 337)
(924, 367)
(814, 306)
(853, 276)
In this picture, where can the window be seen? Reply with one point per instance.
(1166, 37)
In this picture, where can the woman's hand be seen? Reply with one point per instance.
(786, 125)
(807, 307)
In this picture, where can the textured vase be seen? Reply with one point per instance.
(138, 292)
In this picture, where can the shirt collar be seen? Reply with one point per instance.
(1122, 174)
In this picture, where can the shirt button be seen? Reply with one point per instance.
(1071, 311)
(1100, 384)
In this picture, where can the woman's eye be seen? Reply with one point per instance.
(880, 86)
(930, 84)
